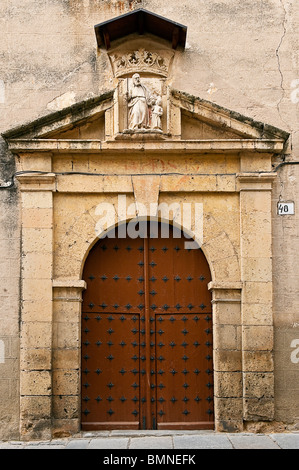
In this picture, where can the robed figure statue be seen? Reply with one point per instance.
(139, 99)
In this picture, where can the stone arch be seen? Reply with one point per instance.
(207, 248)
(222, 257)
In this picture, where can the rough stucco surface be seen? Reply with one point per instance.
(240, 55)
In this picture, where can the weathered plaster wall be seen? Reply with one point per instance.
(241, 55)
(286, 301)
(9, 305)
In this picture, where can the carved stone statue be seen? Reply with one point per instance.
(157, 112)
(139, 100)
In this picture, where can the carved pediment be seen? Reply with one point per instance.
(83, 120)
(187, 123)
(206, 115)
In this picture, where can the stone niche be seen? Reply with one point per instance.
(155, 122)
(72, 160)
(152, 61)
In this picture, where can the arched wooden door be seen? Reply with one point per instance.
(146, 336)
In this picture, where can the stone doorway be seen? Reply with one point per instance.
(147, 352)
(72, 162)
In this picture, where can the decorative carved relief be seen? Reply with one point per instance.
(144, 107)
(140, 61)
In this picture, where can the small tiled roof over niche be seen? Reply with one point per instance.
(140, 22)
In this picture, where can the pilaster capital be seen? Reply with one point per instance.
(255, 181)
(36, 181)
(68, 290)
(225, 291)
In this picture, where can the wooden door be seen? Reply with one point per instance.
(146, 336)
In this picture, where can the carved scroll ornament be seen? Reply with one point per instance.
(140, 61)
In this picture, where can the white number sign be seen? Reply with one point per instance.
(285, 208)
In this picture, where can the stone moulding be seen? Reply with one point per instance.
(68, 290)
(255, 181)
(253, 178)
(95, 146)
(69, 283)
(226, 291)
(36, 181)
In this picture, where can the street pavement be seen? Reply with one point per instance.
(163, 440)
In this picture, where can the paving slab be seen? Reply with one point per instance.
(163, 440)
(286, 441)
(155, 432)
(109, 443)
(211, 441)
(253, 441)
(92, 434)
(151, 442)
(78, 444)
(7, 445)
(44, 446)
(133, 432)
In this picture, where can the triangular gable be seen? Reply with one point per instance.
(59, 123)
(197, 120)
(229, 121)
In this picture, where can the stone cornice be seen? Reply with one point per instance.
(69, 284)
(226, 118)
(152, 146)
(59, 119)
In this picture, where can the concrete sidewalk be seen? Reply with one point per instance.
(117, 440)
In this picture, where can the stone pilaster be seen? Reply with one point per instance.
(67, 298)
(226, 301)
(256, 274)
(36, 313)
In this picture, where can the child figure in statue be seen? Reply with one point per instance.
(157, 112)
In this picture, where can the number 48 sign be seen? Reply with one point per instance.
(285, 208)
